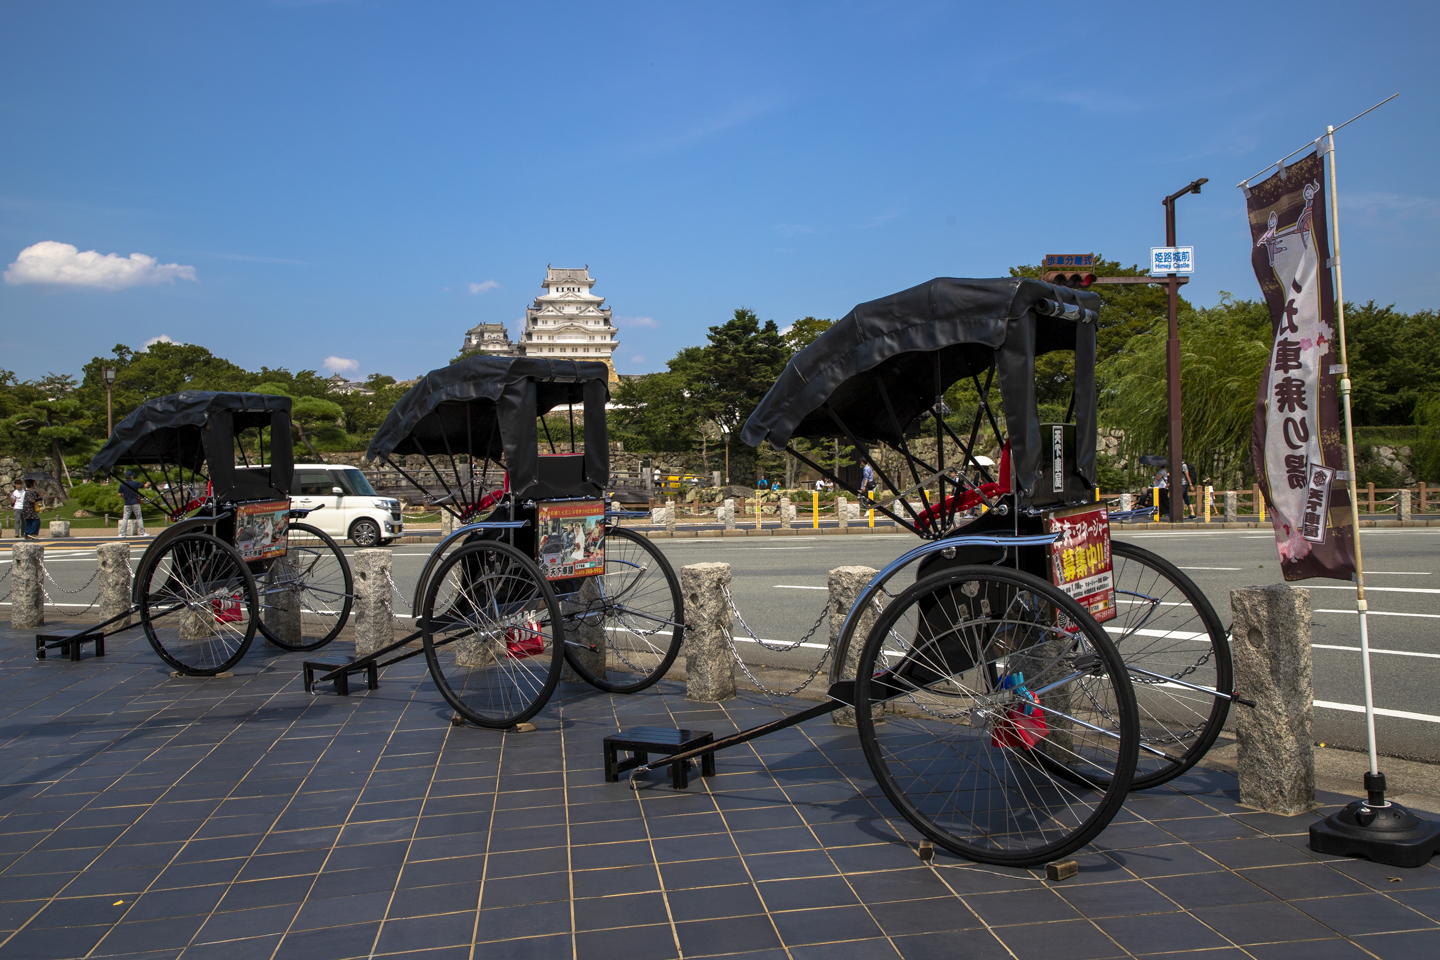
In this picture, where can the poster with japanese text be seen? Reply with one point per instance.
(571, 538)
(1296, 443)
(262, 529)
(1081, 564)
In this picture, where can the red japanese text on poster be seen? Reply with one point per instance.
(571, 538)
(262, 529)
(1081, 559)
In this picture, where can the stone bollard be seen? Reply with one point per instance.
(709, 666)
(115, 583)
(27, 577)
(59, 529)
(1403, 507)
(845, 584)
(589, 632)
(787, 513)
(447, 523)
(1232, 506)
(1127, 502)
(657, 515)
(374, 611)
(280, 601)
(842, 512)
(728, 514)
(670, 516)
(1271, 645)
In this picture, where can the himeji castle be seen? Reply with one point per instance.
(567, 321)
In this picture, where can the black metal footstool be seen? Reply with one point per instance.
(642, 741)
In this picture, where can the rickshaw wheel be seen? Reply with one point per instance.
(1165, 625)
(305, 596)
(489, 625)
(198, 604)
(635, 614)
(990, 679)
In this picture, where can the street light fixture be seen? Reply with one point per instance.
(725, 432)
(1172, 362)
(109, 415)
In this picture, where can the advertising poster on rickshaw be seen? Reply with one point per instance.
(262, 529)
(571, 536)
(1081, 563)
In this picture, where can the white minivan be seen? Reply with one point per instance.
(352, 508)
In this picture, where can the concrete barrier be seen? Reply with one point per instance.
(59, 529)
(374, 610)
(115, 582)
(1270, 643)
(1232, 506)
(670, 516)
(844, 585)
(27, 578)
(709, 665)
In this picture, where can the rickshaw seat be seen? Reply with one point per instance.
(969, 498)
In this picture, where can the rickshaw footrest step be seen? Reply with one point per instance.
(642, 741)
(70, 642)
(338, 668)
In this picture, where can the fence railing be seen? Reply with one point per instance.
(1249, 504)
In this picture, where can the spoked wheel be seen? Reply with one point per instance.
(1009, 730)
(306, 595)
(634, 615)
(1179, 659)
(198, 604)
(490, 625)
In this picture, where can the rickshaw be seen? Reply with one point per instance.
(997, 713)
(233, 558)
(877, 379)
(537, 573)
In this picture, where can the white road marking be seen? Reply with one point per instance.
(1397, 653)
(1310, 586)
(1385, 613)
(1379, 711)
(786, 586)
(1397, 573)
(1210, 568)
(808, 646)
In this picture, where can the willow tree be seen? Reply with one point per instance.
(1223, 351)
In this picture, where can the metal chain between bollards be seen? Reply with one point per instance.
(728, 633)
(72, 593)
(396, 590)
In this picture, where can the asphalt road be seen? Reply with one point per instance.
(779, 586)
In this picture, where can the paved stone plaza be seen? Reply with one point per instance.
(145, 816)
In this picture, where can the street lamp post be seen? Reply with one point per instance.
(725, 432)
(1172, 362)
(109, 415)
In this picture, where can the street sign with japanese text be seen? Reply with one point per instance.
(1069, 261)
(1172, 260)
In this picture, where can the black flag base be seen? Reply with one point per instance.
(1377, 830)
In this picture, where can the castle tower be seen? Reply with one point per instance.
(569, 322)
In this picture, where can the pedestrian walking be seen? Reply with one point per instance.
(132, 518)
(1187, 481)
(30, 512)
(867, 482)
(17, 500)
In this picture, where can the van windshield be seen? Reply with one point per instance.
(357, 483)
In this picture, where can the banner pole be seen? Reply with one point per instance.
(1361, 606)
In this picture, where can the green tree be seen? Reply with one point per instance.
(47, 424)
(305, 411)
(1223, 353)
(804, 332)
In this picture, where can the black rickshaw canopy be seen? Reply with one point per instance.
(486, 406)
(889, 361)
(195, 430)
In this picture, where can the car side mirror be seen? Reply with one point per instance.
(338, 491)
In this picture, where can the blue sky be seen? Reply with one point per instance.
(333, 179)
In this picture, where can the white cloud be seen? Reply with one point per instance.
(163, 338)
(341, 365)
(63, 264)
(485, 287)
(638, 358)
(638, 321)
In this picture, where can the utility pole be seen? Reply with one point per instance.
(109, 414)
(1172, 362)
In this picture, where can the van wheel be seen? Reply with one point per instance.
(364, 533)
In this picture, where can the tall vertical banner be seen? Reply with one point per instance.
(1296, 442)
